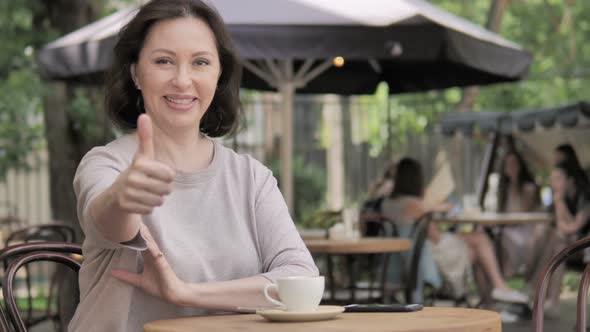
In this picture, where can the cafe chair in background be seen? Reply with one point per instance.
(43, 232)
(545, 279)
(51, 232)
(20, 255)
(376, 265)
(4, 324)
(408, 284)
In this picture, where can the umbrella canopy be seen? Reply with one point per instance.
(576, 115)
(540, 130)
(289, 45)
(410, 44)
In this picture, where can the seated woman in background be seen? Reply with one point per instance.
(571, 207)
(517, 192)
(566, 153)
(371, 209)
(454, 254)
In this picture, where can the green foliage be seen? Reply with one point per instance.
(310, 186)
(87, 117)
(20, 118)
(20, 101)
(323, 219)
(21, 106)
(556, 33)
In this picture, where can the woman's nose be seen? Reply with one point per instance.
(182, 79)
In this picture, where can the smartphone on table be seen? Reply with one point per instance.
(394, 307)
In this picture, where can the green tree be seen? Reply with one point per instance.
(20, 103)
(556, 33)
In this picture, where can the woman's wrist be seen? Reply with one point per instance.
(189, 295)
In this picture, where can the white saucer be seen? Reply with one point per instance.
(323, 312)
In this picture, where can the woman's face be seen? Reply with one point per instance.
(559, 181)
(177, 72)
(558, 156)
(511, 166)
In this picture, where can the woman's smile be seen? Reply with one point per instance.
(180, 102)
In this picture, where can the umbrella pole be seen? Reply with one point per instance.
(287, 89)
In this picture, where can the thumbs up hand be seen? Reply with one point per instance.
(142, 187)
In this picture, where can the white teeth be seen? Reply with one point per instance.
(180, 101)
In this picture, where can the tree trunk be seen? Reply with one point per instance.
(62, 154)
(497, 10)
(65, 148)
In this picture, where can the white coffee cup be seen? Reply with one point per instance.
(297, 293)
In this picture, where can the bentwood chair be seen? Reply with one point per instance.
(4, 325)
(408, 284)
(43, 232)
(22, 254)
(545, 279)
(52, 232)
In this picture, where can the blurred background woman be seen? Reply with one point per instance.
(454, 254)
(571, 208)
(517, 192)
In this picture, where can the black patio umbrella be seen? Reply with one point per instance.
(324, 46)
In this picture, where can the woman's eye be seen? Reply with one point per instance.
(163, 61)
(201, 62)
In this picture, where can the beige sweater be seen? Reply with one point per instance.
(226, 222)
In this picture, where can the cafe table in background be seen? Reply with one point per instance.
(430, 319)
(351, 247)
(496, 218)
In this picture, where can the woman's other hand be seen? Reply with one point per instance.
(157, 279)
(144, 184)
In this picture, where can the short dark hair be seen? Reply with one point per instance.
(409, 179)
(123, 99)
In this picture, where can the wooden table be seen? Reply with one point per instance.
(431, 319)
(497, 219)
(354, 247)
(359, 246)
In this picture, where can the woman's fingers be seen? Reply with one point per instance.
(154, 169)
(144, 183)
(133, 207)
(152, 246)
(143, 197)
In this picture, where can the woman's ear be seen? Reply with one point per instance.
(134, 76)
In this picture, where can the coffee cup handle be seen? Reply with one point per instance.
(270, 299)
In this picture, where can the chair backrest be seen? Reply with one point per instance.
(24, 253)
(43, 232)
(545, 278)
(377, 225)
(4, 325)
(420, 235)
